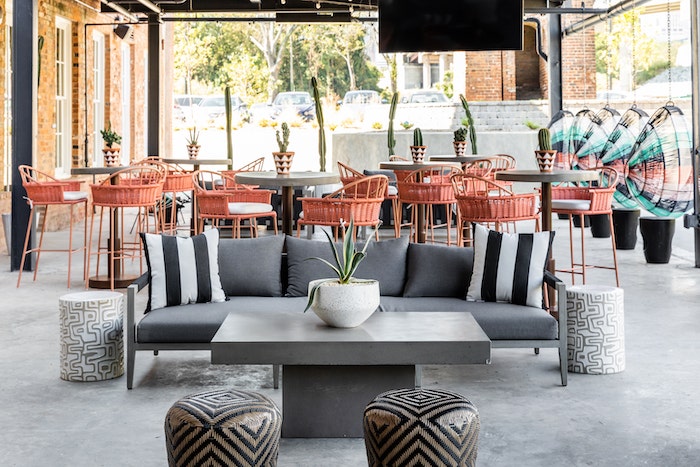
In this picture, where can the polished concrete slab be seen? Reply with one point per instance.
(646, 415)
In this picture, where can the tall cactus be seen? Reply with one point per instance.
(417, 137)
(229, 137)
(470, 123)
(544, 139)
(390, 133)
(319, 120)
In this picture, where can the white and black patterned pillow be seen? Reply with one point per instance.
(183, 270)
(509, 267)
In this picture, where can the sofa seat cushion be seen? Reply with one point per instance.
(500, 321)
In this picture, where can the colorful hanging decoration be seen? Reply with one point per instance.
(559, 128)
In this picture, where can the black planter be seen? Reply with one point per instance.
(600, 226)
(586, 221)
(625, 224)
(657, 233)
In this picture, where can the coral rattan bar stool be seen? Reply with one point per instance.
(349, 175)
(139, 187)
(429, 187)
(44, 190)
(360, 200)
(177, 180)
(236, 204)
(495, 208)
(580, 201)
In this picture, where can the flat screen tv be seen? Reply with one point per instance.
(447, 25)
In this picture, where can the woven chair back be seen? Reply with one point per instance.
(42, 188)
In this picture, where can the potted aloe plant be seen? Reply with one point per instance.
(417, 148)
(283, 158)
(111, 153)
(460, 140)
(345, 301)
(192, 140)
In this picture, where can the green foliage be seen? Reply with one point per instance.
(469, 123)
(406, 125)
(229, 137)
(531, 125)
(391, 140)
(544, 139)
(283, 141)
(346, 261)
(417, 137)
(321, 130)
(109, 136)
(460, 134)
(447, 85)
(192, 136)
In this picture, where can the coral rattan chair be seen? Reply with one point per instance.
(177, 180)
(596, 198)
(429, 187)
(495, 208)
(230, 175)
(360, 200)
(236, 204)
(139, 187)
(501, 162)
(43, 191)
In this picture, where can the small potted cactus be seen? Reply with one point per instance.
(545, 155)
(192, 141)
(417, 149)
(283, 158)
(111, 153)
(460, 141)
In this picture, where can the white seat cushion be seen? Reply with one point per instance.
(248, 208)
(571, 204)
(74, 195)
(392, 190)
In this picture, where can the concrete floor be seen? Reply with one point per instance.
(646, 415)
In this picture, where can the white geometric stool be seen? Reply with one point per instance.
(92, 344)
(595, 329)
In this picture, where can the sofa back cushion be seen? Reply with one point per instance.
(438, 271)
(251, 266)
(385, 261)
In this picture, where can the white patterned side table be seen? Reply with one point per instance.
(92, 344)
(595, 329)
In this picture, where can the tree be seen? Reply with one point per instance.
(270, 38)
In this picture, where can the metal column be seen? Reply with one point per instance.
(692, 220)
(155, 58)
(24, 112)
(556, 101)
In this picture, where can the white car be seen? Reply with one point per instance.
(423, 96)
(211, 110)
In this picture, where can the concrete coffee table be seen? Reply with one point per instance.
(330, 374)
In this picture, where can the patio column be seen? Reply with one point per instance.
(693, 221)
(155, 59)
(24, 108)
(555, 75)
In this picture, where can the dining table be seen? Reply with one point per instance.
(461, 159)
(287, 182)
(409, 166)
(114, 268)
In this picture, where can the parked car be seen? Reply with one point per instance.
(423, 96)
(183, 106)
(357, 105)
(292, 104)
(211, 111)
(261, 111)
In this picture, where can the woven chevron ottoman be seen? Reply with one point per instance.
(223, 428)
(595, 329)
(92, 343)
(427, 427)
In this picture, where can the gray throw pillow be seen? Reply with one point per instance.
(385, 261)
(251, 266)
(438, 271)
(389, 174)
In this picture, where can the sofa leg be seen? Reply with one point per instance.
(130, 359)
(276, 376)
(537, 350)
(155, 352)
(563, 364)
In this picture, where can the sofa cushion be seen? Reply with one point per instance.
(509, 267)
(251, 266)
(423, 263)
(182, 270)
(500, 321)
(385, 261)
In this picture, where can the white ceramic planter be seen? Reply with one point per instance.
(345, 305)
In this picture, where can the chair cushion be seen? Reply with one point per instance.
(390, 174)
(571, 204)
(251, 266)
(385, 262)
(454, 264)
(248, 208)
(509, 267)
(391, 190)
(182, 270)
(74, 195)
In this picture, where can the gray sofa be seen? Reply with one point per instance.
(257, 275)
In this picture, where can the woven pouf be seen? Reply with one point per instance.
(92, 344)
(429, 427)
(222, 428)
(595, 329)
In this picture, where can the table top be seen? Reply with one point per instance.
(291, 179)
(96, 170)
(554, 176)
(197, 161)
(400, 338)
(408, 165)
(460, 159)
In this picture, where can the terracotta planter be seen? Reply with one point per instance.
(283, 162)
(111, 157)
(460, 147)
(193, 150)
(418, 153)
(545, 160)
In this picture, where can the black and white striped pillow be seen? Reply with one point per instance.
(509, 267)
(183, 270)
